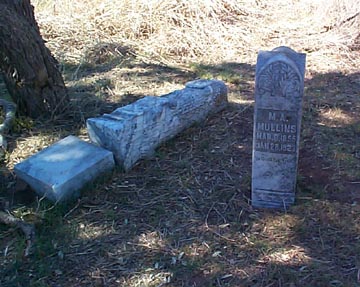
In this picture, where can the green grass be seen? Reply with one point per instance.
(225, 72)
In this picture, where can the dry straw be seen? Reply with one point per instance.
(155, 28)
(201, 30)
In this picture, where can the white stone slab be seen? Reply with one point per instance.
(61, 170)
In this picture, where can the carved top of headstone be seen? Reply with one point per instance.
(279, 79)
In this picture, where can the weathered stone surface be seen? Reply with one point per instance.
(61, 170)
(134, 131)
(279, 86)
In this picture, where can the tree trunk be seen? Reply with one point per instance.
(31, 72)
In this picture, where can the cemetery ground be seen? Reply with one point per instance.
(184, 216)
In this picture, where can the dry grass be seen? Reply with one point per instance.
(201, 31)
(154, 28)
(183, 217)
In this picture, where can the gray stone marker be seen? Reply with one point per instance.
(279, 86)
(61, 170)
(134, 131)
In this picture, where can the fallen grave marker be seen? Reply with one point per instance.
(131, 132)
(134, 131)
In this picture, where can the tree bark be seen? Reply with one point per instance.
(31, 72)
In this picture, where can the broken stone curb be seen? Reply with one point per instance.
(131, 133)
(134, 131)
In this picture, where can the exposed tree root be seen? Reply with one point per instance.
(27, 228)
(9, 111)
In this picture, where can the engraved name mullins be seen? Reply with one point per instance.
(275, 131)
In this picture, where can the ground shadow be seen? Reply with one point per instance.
(330, 143)
(183, 217)
(90, 96)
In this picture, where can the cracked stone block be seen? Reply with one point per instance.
(61, 170)
(134, 131)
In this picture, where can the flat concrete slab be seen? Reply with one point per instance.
(61, 170)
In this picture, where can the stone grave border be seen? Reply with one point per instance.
(129, 134)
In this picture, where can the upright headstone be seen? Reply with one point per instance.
(279, 87)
